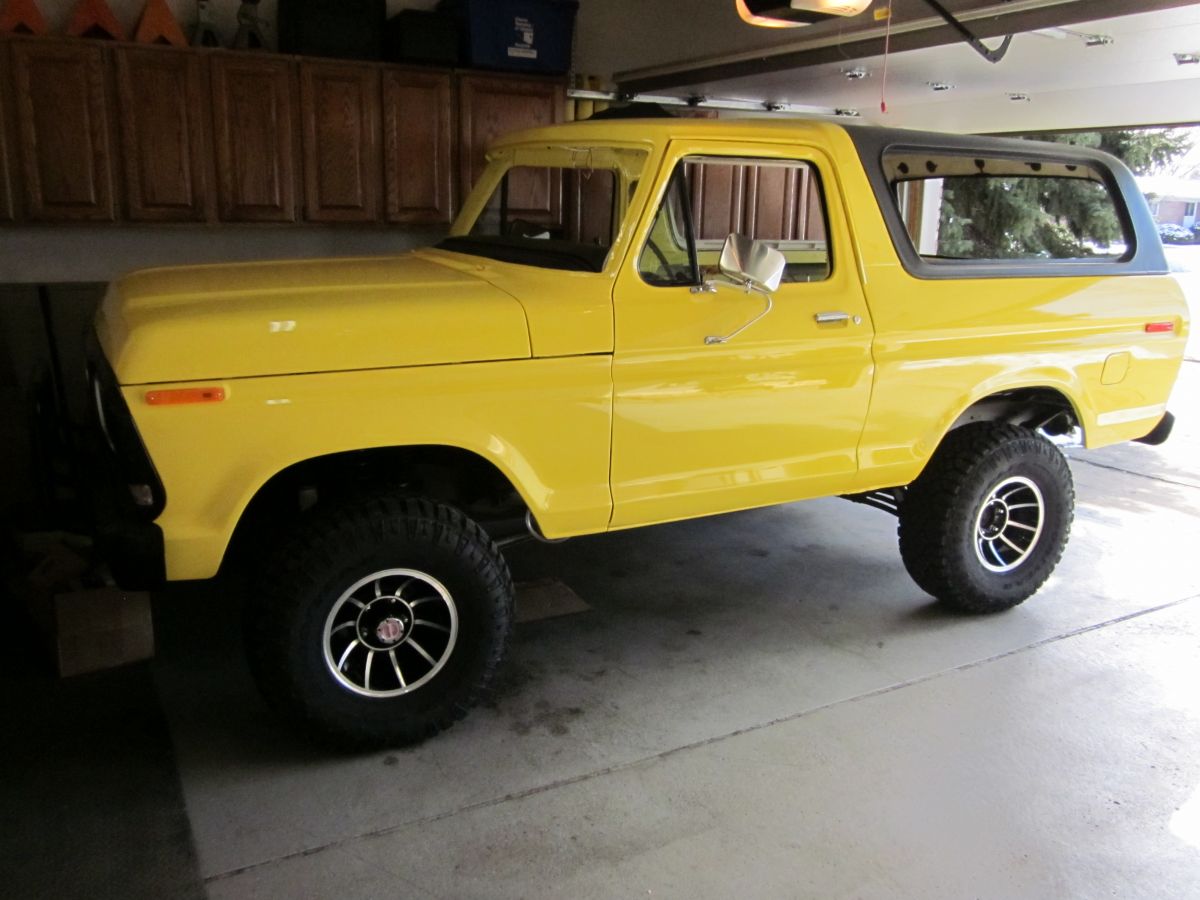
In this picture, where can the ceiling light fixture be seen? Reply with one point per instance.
(858, 73)
(1187, 59)
(1097, 40)
(794, 13)
(939, 86)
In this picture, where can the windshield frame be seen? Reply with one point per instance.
(632, 164)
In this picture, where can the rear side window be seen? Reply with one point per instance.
(959, 207)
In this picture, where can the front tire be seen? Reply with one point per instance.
(986, 523)
(380, 622)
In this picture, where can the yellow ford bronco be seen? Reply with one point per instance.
(631, 322)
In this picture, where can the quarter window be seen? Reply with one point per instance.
(970, 208)
(709, 198)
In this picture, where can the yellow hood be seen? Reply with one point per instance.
(280, 318)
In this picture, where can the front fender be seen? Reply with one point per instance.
(544, 424)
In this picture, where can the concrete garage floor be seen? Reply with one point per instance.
(760, 705)
(756, 705)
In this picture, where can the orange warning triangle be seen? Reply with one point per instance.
(93, 19)
(22, 17)
(158, 26)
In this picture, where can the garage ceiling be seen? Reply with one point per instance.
(1062, 79)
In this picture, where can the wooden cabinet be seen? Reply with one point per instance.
(63, 130)
(767, 202)
(771, 202)
(784, 204)
(7, 210)
(99, 131)
(254, 125)
(418, 141)
(162, 108)
(491, 106)
(718, 198)
(342, 176)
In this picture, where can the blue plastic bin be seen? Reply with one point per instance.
(516, 35)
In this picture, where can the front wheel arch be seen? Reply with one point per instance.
(444, 473)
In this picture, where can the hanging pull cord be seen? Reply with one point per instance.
(887, 46)
(992, 56)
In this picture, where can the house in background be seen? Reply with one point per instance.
(1173, 200)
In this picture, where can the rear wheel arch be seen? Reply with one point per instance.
(1049, 411)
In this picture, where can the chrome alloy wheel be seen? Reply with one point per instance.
(1009, 524)
(390, 633)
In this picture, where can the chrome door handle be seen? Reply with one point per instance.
(832, 318)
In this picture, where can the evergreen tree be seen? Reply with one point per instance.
(1023, 216)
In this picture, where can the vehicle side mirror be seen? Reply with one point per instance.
(752, 264)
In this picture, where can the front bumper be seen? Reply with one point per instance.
(132, 548)
(126, 536)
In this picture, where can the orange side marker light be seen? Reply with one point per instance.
(185, 395)
(1159, 327)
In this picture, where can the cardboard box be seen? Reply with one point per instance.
(97, 628)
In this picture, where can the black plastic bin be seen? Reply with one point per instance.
(516, 35)
(417, 36)
(345, 29)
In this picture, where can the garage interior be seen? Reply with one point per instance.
(758, 704)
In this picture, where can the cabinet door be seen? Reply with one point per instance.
(7, 213)
(417, 148)
(162, 111)
(718, 199)
(63, 130)
(342, 176)
(492, 106)
(253, 120)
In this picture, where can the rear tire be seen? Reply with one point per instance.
(986, 523)
(380, 622)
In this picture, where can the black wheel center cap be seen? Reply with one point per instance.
(995, 520)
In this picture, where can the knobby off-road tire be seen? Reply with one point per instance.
(380, 622)
(985, 524)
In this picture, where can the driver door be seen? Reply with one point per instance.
(776, 413)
